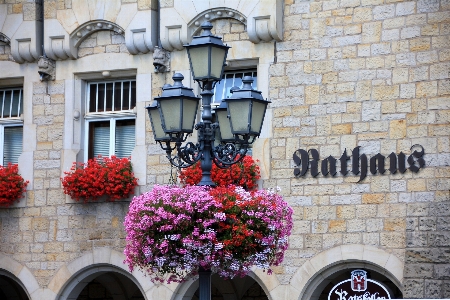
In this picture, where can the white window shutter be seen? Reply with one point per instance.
(101, 141)
(125, 139)
(12, 144)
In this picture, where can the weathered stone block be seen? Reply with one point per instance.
(355, 225)
(383, 12)
(440, 209)
(337, 226)
(427, 6)
(419, 270)
(405, 8)
(374, 225)
(437, 239)
(408, 90)
(351, 238)
(332, 240)
(433, 288)
(440, 71)
(443, 223)
(442, 271)
(427, 223)
(313, 240)
(319, 226)
(393, 239)
(371, 238)
(394, 224)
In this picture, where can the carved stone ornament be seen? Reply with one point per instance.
(46, 68)
(214, 14)
(80, 34)
(161, 60)
(262, 18)
(4, 40)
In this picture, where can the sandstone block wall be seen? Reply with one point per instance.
(348, 73)
(375, 74)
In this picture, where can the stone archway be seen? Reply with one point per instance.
(16, 279)
(316, 273)
(320, 287)
(11, 287)
(104, 269)
(102, 281)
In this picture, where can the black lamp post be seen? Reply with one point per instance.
(240, 118)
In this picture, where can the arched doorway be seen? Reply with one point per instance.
(102, 282)
(110, 286)
(309, 281)
(340, 274)
(11, 288)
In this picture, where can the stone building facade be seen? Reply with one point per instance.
(370, 75)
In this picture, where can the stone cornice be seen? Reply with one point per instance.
(64, 34)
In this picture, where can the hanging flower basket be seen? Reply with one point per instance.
(245, 173)
(12, 185)
(98, 177)
(173, 231)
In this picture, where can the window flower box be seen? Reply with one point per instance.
(12, 185)
(102, 176)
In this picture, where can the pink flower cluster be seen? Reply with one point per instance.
(170, 231)
(173, 231)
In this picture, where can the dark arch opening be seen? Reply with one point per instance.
(110, 286)
(101, 281)
(323, 289)
(241, 288)
(10, 289)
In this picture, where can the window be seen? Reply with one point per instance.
(110, 118)
(11, 125)
(229, 80)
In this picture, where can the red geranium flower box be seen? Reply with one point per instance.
(98, 177)
(12, 185)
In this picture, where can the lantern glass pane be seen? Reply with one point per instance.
(224, 125)
(171, 112)
(189, 113)
(217, 61)
(155, 118)
(199, 61)
(257, 116)
(239, 115)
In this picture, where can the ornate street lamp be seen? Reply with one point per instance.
(207, 55)
(240, 118)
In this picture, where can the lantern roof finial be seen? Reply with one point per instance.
(206, 26)
(177, 79)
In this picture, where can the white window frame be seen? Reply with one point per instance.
(218, 98)
(16, 121)
(111, 116)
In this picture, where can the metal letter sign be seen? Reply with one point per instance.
(309, 160)
(358, 287)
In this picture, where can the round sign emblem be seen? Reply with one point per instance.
(358, 287)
